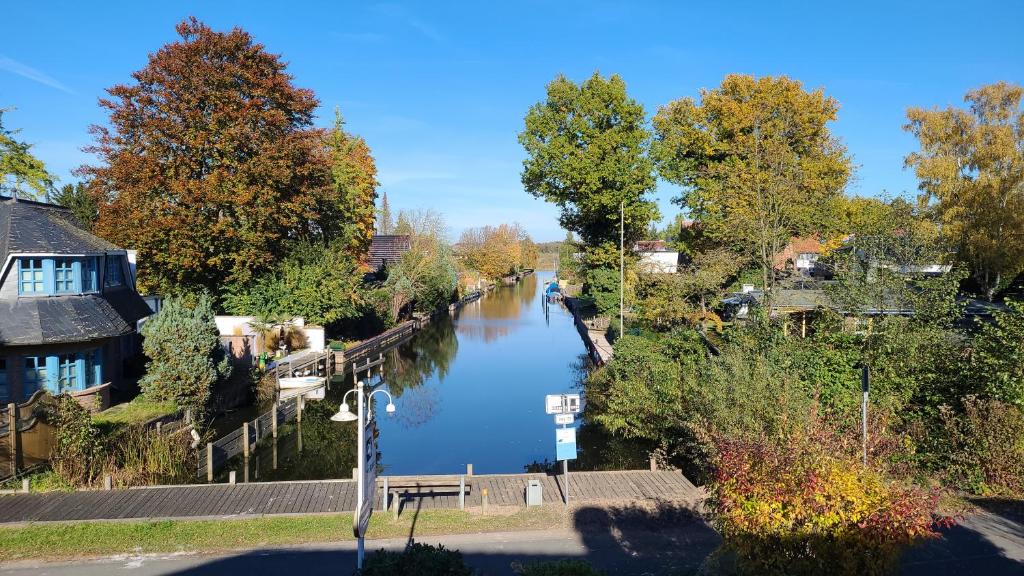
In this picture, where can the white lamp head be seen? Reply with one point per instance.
(344, 414)
(390, 408)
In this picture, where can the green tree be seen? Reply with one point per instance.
(587, 153)
(321, 284)
(76, 198)
(756, 161)
(999, 355)
(384, 223)
(971, 163)
(426, 275)
(186, 359)
(21, 173)
(568, 265)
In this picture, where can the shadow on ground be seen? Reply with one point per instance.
(659, 538)
(662, 538)
(989, 542)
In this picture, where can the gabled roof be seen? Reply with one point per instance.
(79, 318)
(651, 246)
(39, 228)
(387, 248)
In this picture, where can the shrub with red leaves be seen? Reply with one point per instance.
(804, 504)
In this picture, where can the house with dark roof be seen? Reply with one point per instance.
(387, 249)
(69, 311)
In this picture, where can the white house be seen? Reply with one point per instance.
(655, 257)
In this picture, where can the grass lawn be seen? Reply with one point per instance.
(138, 411)
(82, 539)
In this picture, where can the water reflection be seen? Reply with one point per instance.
(496, 315)
(311, 449)
(469, 389)
(429, 354)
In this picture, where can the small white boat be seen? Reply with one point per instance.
(301, 381)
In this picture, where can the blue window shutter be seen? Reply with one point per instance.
(52, 369)
(76, 274)
(97, 366)
(80, 369)
(17, 275)
(48, 278)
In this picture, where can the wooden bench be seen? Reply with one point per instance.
(426, 485)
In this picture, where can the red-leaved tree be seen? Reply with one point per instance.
(209, 165)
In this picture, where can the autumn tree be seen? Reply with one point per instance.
(425, 276)
(756, 161)
(354, 175)
(209, 165)
(971, 165)
(21, 173)
(497, 251)
(529, 254)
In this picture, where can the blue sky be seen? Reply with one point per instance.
(440, 90)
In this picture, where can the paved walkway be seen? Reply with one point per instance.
(313, 497)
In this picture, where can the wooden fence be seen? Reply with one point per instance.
(243, 440)
(377, 344)
(30, 444)
(215, 455)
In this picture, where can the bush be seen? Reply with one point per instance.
(986, 447)
(804, 505)
(185, 356)
(78, 443)
(137, 457)
(417, 560)
(559, 568)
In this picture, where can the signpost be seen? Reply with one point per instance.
(366, 458)
(564, 407)
(562, 404)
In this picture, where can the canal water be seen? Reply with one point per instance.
(469, 389)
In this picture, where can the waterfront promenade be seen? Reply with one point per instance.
(331, 496)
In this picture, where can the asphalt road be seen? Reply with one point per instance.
(491, 554)
(990, 543)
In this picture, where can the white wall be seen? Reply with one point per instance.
(665, 262)
(226, 326)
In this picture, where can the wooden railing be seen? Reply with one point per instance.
(215, 455)
(377, 344)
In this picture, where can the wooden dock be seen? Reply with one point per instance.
(330, 496)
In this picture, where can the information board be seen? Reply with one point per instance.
(565, 444)
(368, 482)
(562, 404)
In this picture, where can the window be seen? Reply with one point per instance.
(30, 276)
(35, 374)
(94, 368)
(64, 275)
(5, 394)
(67, 377)
(90, 274)
(114, 274)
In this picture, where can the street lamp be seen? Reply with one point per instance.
(362, 514)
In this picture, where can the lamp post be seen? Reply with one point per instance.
(364, 413)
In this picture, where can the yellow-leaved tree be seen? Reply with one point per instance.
(756, 161)
(971, 165)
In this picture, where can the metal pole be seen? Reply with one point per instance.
(361, 456)
(565, 475)
(865, 383)
(622, 261)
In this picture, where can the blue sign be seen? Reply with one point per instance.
(565, 443)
